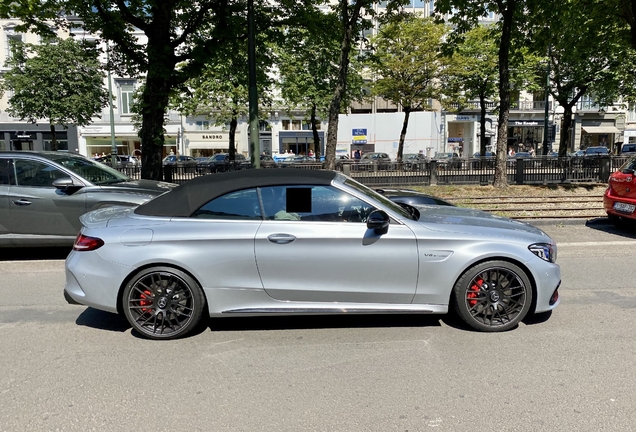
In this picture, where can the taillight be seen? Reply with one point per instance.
(86, 243)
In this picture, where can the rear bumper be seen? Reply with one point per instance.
(609, 199)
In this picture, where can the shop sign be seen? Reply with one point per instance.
(525, 123)
(455, 139)
(359, 136)
(212, 137)
(463, 118)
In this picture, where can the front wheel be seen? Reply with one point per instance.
(493, 296)
(163, 303)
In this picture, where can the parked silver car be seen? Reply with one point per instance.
(43, 194)
(237, 244)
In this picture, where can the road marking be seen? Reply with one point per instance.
(599, 243)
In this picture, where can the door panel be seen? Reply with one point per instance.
(37, 207)
(336, 262)
(5, 181)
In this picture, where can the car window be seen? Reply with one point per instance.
(34, 173)
(241, 204)
(6, 172)
(312, 203)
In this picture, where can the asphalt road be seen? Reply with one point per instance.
(71, 368)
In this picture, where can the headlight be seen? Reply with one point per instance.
(546, 252)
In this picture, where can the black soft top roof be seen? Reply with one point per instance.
(187, 198)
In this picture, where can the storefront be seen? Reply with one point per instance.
(208, 143)
(37, 137)
(299, 142)
(96, 140)
(599, 133)
(524, 135)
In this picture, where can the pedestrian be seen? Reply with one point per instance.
(311, 153)
(356, 154)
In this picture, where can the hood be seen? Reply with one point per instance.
(474, 222)
(146, 187)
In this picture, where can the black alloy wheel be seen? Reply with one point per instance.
(163, 303)
(493, 296)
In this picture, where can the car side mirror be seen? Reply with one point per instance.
(378, 221)
(66, 184)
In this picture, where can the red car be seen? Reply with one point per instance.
(619, 200)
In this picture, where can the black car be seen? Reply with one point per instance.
(187, 163)
(413, 161)
(487, 162)
(370, 160)
(448, 160)
(411, 197)
(221, 162)
(121, 161)
(268, 162)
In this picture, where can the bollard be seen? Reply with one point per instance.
(167, 173)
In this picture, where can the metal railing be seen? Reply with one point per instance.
(537, 170)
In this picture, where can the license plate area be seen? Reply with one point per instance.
(625, 208)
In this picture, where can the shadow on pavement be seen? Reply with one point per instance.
(322, 322)
(624, 228)
(101, 320)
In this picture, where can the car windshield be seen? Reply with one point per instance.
(95, 172)
(376, 196)
(444, 155)
(218, 157)
(629, 165)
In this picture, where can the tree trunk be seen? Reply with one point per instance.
(154, 99)
(405, 125)
(564, 138)
(314, 131)
(341, 86)
(53, 138)
(507, 12)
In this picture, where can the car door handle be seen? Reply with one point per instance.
(281, 238)
(22, 202)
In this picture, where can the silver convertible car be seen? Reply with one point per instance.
(237, 244)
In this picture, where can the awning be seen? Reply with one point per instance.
(208, 145)
(601, 130)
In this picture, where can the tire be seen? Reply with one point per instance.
(492, 296)
(163, 303)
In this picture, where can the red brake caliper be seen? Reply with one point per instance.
(474, 291)
(145, 296)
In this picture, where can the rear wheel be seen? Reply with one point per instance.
(163, 303)
(493, 296)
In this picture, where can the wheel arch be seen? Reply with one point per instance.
(522, 266)
(132, 274)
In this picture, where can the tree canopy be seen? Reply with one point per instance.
(406, 65)
(60, 81)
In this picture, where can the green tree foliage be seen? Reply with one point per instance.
(308, 73)
(406, 65)
(60, 81)
(587, 55)
(464, 15)
(472, 73)
(220, 92)
(174, 32)
(355, 17)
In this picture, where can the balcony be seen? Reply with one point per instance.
(514, 106)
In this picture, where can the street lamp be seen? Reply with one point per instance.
(113, 145)
(545, 119)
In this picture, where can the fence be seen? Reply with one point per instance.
(538, 170)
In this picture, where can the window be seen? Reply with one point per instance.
(241, 205)
(312, 203)
(202, 125)
(33, 173)
(10, 38)
(6, 172)
(126, 91)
